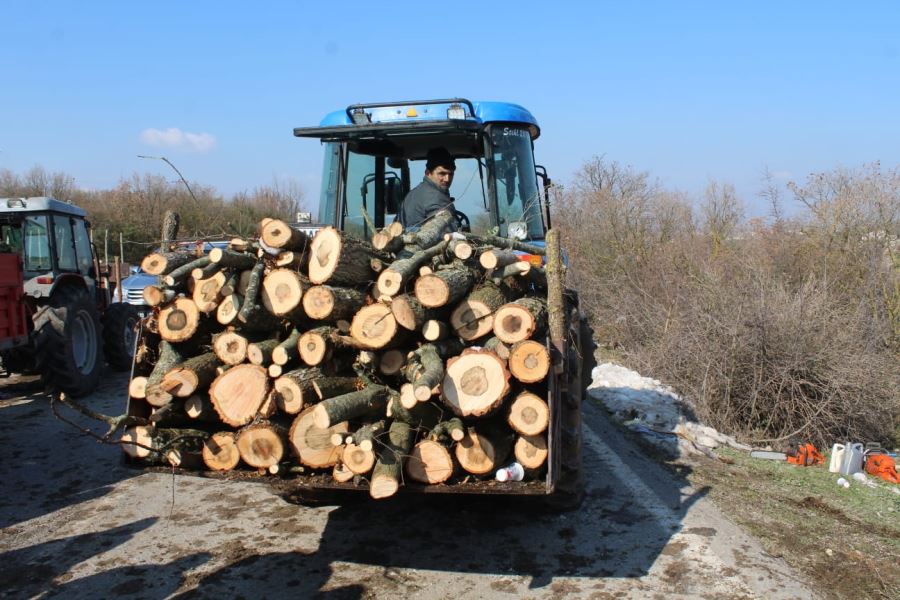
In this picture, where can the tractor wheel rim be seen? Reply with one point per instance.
(84, 342)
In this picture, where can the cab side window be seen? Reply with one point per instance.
(65, 244)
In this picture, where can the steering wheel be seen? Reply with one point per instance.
(462, 221)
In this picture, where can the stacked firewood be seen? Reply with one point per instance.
(411, 357)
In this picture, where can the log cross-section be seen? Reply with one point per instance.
(238, 393)
(475, 383)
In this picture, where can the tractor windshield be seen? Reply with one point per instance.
(515, 182)
(30, 238)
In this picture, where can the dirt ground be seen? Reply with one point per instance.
(76, 522)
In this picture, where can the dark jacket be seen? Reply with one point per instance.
(422, 202)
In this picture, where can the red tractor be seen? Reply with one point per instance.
(55, 319)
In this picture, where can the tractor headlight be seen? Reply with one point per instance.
(456, 111)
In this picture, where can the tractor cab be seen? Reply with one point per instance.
(53, 240)
(375, 153)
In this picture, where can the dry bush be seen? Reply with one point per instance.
(767, 329)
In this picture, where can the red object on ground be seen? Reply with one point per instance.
(13, 321)
(806, 456)
(882, 465)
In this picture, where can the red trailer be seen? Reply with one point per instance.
(13, 321)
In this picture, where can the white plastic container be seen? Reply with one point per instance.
(853, 459)
(513, 472)
(837, 458)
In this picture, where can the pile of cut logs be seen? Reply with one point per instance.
(412, 357)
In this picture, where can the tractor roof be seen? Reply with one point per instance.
(414, 115)
(38, 204)
(408, 128)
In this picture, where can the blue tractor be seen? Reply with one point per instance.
(375, 153)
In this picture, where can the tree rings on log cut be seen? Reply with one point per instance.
(238, 393)
(477, 454)
(260, 446)
(311, 444)
(475, 383)
(220, 452)
(178, 321)
(230, 347)
(429, 462)
(531, 451)
(374, 326)
(529, 414)
(518, 320)
(282, 291)
(529, 361)
(360, 461)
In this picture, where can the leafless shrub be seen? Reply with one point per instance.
(769, 329)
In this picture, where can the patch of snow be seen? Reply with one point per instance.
(653, 410)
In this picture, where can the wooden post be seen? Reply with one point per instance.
(118, 266)
(556, 317)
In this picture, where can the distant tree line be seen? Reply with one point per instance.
(135, 207)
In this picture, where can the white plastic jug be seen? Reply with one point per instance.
(837, 458)
(853, 458)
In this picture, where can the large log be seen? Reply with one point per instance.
(443, 287)
(481, 453)
(374, 326)
(282, 293)
(194, 374)
(359, 460)
(220, 451)
(312, 445)
(261, 444)
(278, 234)
(340, 259)
(295, 389)
(161, 263)
(531, 451)
(528, 414)
(556, 307)
(409, 312)
(369, 400)
(424, 370)
(207, 292)
(429, 462)
(171, 221)
(475, 383)
(392, 280)
(529, 361)
(179, 320)
(386, 475)
(322, 302)
(238, 393)
(474, 317)
(520, 319)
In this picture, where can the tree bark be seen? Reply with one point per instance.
(229, 259)
(171, 221)
(181, 274)
(409, 312)
(453, 429)
(162, 263)
(386, 475)
(190, 376)
(278, 234)
(497, 259)
(250, 304)
(294, 389)
(260, 353)
(424, 370)
(508, 243)
(287, 351)
(556, 307)
(392, 280)
(371, 399)
(331, 386)
(169, 357)
(340, 259)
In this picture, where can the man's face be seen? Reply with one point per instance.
(441, 177)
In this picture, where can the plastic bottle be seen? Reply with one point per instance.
(843, 482)
(837, 458)
(513, 472)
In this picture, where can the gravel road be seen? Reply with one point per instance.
(75, 522)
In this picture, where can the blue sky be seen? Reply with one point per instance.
(686, 90)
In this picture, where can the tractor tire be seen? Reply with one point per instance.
(569, 491)
(69, 354)
(119, 333)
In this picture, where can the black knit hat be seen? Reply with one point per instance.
(439, 157)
